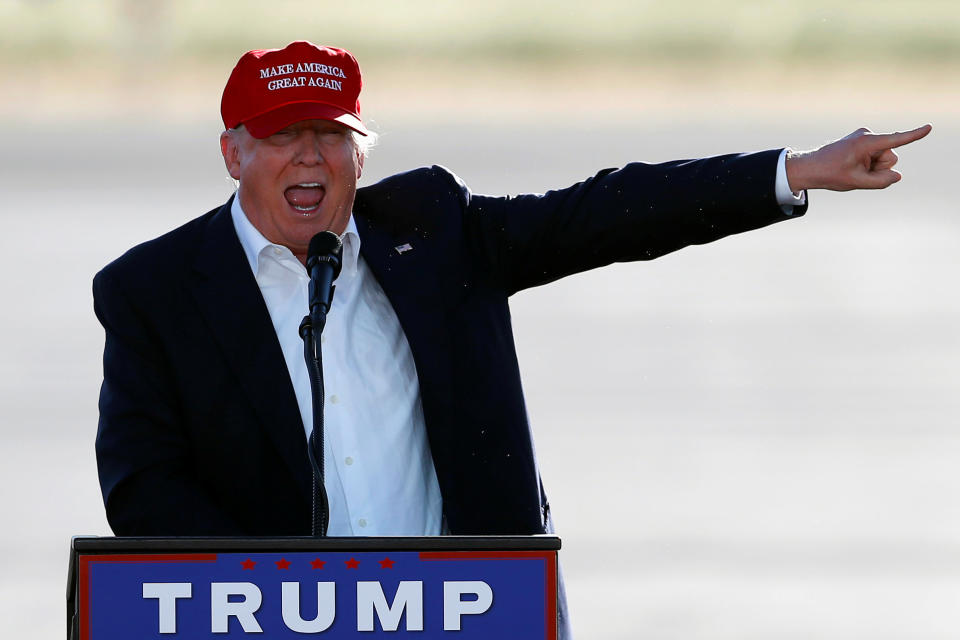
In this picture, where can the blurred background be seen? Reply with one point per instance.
(753, 439)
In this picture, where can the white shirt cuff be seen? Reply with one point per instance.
(786, 198)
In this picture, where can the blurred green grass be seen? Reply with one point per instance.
(495, 32)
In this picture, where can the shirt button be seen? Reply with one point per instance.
(334, 399)
(362, 522)
(277, 251)
(349, 460)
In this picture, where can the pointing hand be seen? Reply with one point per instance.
(861, 160)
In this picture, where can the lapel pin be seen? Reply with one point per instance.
(403, 248)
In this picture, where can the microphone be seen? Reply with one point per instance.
(323, 265)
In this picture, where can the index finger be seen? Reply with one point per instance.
(894, 140)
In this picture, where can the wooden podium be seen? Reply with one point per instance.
(439, 587)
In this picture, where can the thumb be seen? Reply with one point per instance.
(881, 179)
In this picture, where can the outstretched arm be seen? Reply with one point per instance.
(638, 212)
(861, 160)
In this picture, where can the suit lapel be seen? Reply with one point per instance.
(230, 300)
(406, 267)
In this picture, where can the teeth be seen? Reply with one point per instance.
(299, 208)
(309, 185)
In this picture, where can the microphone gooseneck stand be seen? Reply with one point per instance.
(323, 265)
(320, 509)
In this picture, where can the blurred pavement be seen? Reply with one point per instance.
(752, 439)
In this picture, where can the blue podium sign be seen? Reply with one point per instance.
(466, 594)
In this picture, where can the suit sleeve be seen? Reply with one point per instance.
(142, 453)
(639, 212)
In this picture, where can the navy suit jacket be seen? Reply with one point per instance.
(199, 429)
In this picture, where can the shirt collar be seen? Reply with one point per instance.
(253, 242)
(251, 239)
(351, 247)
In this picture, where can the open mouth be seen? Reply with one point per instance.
(305, 197)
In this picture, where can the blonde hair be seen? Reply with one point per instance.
(364, 143)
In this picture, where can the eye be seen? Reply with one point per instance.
(333, 138)
(283, 134)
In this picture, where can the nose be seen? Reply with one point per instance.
(308, 150)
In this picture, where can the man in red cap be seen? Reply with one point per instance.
(205, 409)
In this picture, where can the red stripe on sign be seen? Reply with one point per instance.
(481, 555)
(550, 575)
(551, 596)
(86, 561)
(154, 557)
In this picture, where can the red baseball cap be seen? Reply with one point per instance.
(270, 89)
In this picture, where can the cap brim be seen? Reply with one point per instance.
(267, 124)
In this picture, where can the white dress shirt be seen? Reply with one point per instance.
(380, 478)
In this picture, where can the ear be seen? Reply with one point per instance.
(360, 158)
(231, 154)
